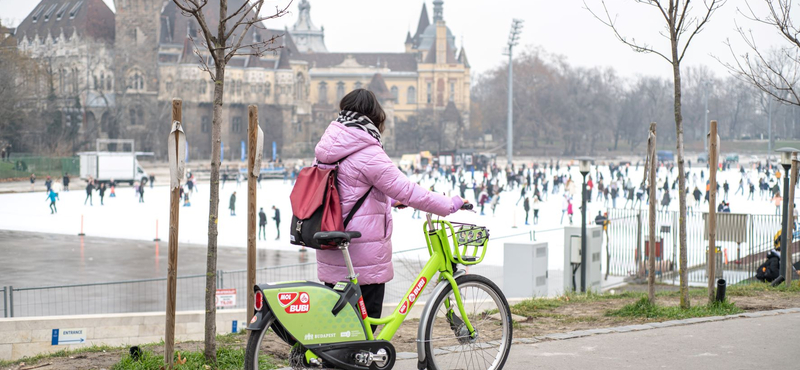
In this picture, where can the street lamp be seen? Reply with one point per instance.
(513, 40)
(584, 168)
(787, 154)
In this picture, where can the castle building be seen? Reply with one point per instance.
(125, 69)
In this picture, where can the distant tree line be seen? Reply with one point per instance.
(561, 109)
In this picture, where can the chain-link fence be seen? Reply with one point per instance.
(149, 295)
(742, 243)
(24, 166)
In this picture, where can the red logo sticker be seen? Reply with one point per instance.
(286, 298)
(302, 305)
(253, 320)
(363, 307)
(404, 308)
(417, 289)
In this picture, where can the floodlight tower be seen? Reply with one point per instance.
(513, 40)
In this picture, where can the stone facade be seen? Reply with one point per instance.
(126, 68)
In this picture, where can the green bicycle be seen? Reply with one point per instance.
(465, 324)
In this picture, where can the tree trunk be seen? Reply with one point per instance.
(213, 215)
(676, 71)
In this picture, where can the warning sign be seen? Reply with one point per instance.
(226, 298)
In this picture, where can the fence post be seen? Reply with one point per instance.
(5, 302)
(220, 279)
(11, 300)
(638, 253)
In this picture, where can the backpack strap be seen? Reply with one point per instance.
(356, 207)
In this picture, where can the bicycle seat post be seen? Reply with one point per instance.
(429, 217)
(346, 253)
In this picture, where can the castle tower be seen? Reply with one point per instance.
(308, 37)
(136, 69)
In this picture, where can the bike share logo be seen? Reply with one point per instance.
(296, 302)
(412, 297)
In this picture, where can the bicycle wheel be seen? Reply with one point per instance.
(448, 344)
(264, 342)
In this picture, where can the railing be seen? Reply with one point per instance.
(149, 295)
(742, 240)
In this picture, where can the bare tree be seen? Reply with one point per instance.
(775, 71)
(229, 39)
(681, 20)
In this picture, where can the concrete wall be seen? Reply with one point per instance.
(29, 336)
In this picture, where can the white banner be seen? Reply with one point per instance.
(177, 161)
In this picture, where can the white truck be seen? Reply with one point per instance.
(107, 165)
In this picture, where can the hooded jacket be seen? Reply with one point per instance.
(364, 164)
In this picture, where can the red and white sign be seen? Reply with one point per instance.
(301, 305)
(285, 298)
(226, 298)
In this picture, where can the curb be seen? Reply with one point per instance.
(631, 328)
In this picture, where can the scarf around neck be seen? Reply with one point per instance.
(361, 122)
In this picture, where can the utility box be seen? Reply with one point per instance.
(572, 257)
(525, 270)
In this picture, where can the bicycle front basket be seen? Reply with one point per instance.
(469, 244)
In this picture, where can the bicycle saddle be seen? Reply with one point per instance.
(336, 237)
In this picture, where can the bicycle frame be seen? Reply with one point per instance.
(439, 249)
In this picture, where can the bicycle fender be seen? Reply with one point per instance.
(261, 319)
(423, 321)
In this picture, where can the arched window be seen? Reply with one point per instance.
(395, 92)
(339, 91)
(267, 89)
(323, 93)
(136, 81)
(411, 96)
(102, 81)
(300, 87)
(357, 85)
(109, 87)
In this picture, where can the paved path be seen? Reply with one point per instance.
(769, 342)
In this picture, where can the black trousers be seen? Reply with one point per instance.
(373, 299)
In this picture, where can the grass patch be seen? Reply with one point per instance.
(227, 359)
(62, 353)
(643, 308)
(540, 307)
(759, 288)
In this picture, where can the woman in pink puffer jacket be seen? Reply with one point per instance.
(354, 140)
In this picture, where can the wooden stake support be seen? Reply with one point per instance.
(172, 265)
(713, 145)
(252, 178)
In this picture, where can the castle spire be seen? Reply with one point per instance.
(437, 10)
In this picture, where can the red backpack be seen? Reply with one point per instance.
(316, 206)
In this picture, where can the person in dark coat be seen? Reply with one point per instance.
(102, 191)
(277, 219)
(89, 189)
(65, 181)
(527, 206)
(141, 191)
(262, 224)
(48, 184)
(232, 204)
(665, 201)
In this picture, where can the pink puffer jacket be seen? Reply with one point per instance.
(366, 165)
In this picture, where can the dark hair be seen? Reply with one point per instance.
(364, 101)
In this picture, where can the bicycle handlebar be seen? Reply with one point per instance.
(467, 206)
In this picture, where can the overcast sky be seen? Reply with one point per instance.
(561, 27)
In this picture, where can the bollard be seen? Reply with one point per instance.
(721, 286)
(81, 234)
(156, 239)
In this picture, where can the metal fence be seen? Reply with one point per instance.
(742, 240)
(24, 166)
(149, 295)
